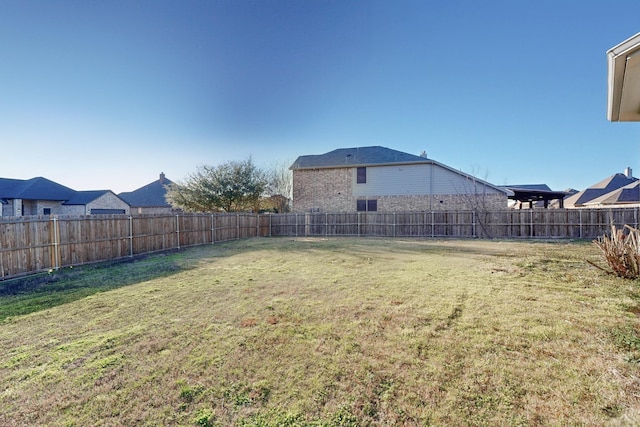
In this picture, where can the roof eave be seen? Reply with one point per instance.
(623, 81)
(362, 165)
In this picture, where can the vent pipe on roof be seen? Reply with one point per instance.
(423, 154)
(628, 173)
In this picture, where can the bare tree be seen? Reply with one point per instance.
(476, 198)
(280, 188)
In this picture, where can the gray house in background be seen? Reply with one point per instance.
(377, 178)
(40, 196)
(149, 199)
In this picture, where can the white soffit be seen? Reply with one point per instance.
(623, 96)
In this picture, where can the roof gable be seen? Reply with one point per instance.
(601, 188)
(358, 156)
(627, 194)
(150, 195)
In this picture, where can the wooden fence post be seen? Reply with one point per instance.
(213, 229)
(257, 217)
(473, 221)
(531, 222)
(178, 231)
(433, 224)
(326, 224)
(130, 236)
(580, 224)
(394, 224)
(55, 242)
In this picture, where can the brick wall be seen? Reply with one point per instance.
(108, 201)
(329, 190)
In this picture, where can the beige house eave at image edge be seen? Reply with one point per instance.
(623, 78)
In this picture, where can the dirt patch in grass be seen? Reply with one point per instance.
(334, 332)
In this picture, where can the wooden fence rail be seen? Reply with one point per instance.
(35, 244)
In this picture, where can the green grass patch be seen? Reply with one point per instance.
(328, 332)
(41, 291)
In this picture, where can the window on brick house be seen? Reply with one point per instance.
(367, 205)
(361, 176)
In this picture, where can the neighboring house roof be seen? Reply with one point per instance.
(603, 187)
(150, 195)
(623, 95)
(628, 194)
(359, 156)
(34, 189)
(374, 156)
(85, 197)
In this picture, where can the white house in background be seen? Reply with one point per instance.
(623, 94)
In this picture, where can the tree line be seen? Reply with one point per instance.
(233, 186)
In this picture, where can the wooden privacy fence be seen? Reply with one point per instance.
(505, 224)
(36, 244)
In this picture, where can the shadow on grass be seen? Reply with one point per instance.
(42, 291)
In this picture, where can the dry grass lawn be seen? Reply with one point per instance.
(329, 332)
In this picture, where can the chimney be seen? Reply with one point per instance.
(628, 173)
(161, 177)
(423, 154)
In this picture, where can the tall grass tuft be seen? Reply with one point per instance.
(621, 251)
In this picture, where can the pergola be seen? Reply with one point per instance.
(532, 195)
(623, 95)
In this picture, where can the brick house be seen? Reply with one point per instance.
(95, 203)
(386, 180)
(150, 198)
(40, 196)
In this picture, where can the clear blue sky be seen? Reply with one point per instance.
(108, 94)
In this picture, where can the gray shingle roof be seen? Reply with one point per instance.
(150, 195)
(84, 197)
(601, 188)
(628, 194)
(358, 156)
(34, 189)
